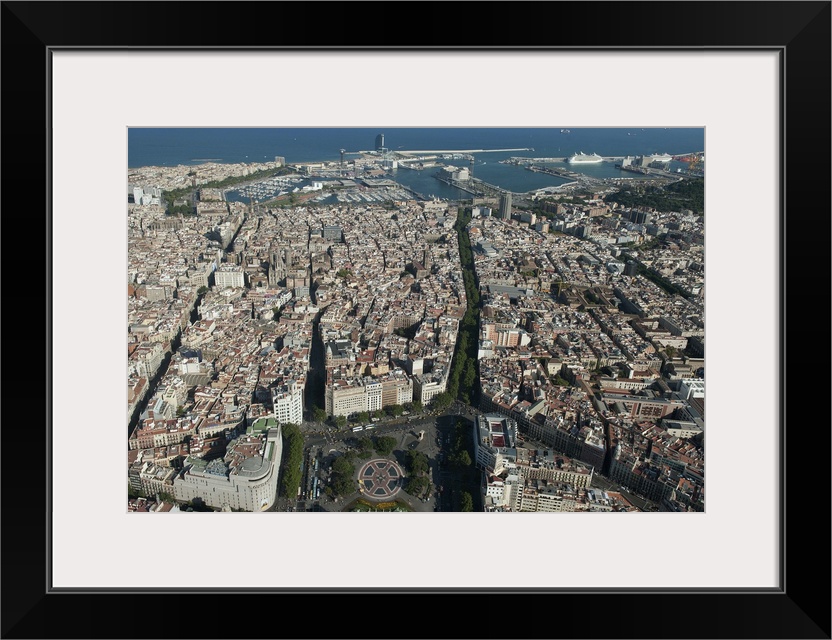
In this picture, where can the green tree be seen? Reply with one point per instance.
(418, 486)
(343, 480)
(417, 406)
(466, 502)
(319, 415)
(416, 463)
(365, 446)
(441, 401)
(384, 445)
(470, 375)
(202, 291)
(342, 466)
(293, 458)
(340, 422)
(462, 459)
(343, 485)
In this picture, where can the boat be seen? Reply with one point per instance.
(662, 157)
(583, 158)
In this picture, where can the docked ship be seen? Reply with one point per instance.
(583, 158)
(662, 157)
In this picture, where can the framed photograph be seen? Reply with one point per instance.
(754, 75)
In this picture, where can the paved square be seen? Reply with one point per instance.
(380, 479)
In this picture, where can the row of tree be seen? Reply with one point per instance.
(466, 502)
(417, 466)
(461, 443)
(459, 456)
(393, 410)
(342, 481)
(292, 460)
(463, 376)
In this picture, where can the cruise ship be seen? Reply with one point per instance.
(582, 158)
(662, 157)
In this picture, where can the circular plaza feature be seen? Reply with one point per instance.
(380, 479)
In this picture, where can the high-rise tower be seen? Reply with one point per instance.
(505, 205)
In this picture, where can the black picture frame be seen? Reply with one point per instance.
(800, 31)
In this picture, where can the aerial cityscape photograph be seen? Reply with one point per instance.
(416, 319)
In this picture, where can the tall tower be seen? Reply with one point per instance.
(505, 205)
(343, 151)
(380, 142)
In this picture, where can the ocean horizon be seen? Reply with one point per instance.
(198, 145)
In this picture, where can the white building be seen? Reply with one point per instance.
(229, 275)
(288, 403)
(146, 360)
(495, 439)
(456, 173)
(426, 388)
(500, 494)
(346, 396)
(245, 479)
(372, 391)
(692, 388)
(682, 428)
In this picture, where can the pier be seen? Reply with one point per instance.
(558, 173)
(681, 157)
(419, 151)
(457, 184)
(474, 186)
(525, 160)
(415, 194)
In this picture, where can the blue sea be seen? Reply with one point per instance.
(191, 146)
